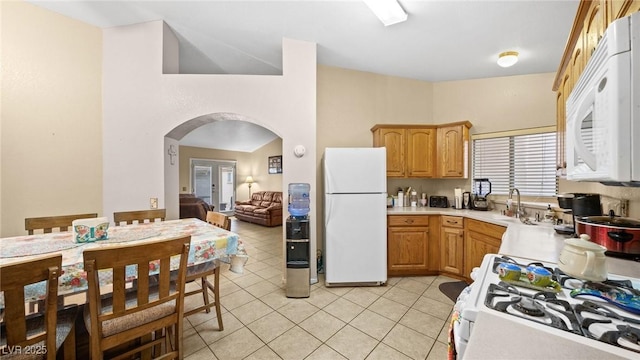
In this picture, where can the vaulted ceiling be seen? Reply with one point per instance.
(440, 41)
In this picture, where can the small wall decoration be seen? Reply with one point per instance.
(275, 164)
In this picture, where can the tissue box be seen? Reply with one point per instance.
(90, 230)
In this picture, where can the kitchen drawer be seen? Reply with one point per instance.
(452, 221)
(494, 231)
(407, 220)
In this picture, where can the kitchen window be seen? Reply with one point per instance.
(524, 159)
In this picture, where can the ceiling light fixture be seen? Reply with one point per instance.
(508, 58)
(388, 11)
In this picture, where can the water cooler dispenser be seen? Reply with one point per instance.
(297, 242)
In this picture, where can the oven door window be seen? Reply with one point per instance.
(586, 141)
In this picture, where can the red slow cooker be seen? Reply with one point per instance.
(619, 235)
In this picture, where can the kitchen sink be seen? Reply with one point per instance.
(513, 219)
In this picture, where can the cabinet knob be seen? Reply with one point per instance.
(409, 221)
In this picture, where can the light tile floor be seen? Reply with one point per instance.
(406, 319)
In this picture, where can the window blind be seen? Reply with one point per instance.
(526, 162)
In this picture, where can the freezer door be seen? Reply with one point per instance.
(355, 238)
(355, 170)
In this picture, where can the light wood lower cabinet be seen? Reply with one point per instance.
(481, 238)
(434, 244)
(412, 247)
(452, 245)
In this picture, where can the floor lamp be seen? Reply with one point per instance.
(249, 182)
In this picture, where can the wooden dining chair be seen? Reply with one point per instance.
(147, 318)
(201, 272)
(139, 216)
(41, 333)
(48, 223)
(219, 219)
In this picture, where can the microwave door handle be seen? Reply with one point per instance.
(580, 148)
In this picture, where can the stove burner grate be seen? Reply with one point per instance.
(541, 307)
(617, 331)
(529, 307)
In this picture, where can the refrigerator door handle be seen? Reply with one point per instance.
(328, 206)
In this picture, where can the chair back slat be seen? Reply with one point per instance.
(13, 279)
(48, 223)
(139, 216)
(119, 288)
(219, 219)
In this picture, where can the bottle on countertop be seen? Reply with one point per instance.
(400, 201)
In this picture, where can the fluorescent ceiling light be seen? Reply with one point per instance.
(388, 11)
(508, 58)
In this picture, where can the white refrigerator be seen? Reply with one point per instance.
(355, 216)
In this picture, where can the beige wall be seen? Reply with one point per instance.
(258, 168)
(51, 140)
(254, 164)
(497, 104)
(351, 102)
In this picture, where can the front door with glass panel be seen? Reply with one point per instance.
(214, 181)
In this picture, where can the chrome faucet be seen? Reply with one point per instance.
(520, 213)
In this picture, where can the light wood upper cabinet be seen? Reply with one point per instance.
(421, 151)
(425, 151)
(453, 151)
(394, 139)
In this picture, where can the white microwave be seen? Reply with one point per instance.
(603, 111)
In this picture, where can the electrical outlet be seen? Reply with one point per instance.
(154, 203)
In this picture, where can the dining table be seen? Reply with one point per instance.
(209, 246)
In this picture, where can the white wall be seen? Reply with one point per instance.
(141, 105)
(51, 141)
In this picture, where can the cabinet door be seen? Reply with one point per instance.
(593, 29)
(476, 246)
(421, 152)
(394, 141)
(452, 250)
(407, 250)
(453, 151)
(621, 8)
(633, 6)
(561, 125)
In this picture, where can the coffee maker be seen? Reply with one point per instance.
(482, 188)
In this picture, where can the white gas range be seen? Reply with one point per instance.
(584, 319)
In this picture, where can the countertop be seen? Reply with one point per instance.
(494, 337)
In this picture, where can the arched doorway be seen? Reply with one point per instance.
(219, 145)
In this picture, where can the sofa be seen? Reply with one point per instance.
(193, 207)
(264, 208)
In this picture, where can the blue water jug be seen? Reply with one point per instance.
(299, 199)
